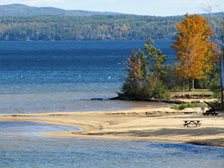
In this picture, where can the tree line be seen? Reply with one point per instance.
(101, 27)
(108, 27)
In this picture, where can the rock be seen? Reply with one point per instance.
(100, 99)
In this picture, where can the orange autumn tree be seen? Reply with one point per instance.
(195, 51)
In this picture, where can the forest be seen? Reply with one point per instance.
(26, 23)
(97, 27)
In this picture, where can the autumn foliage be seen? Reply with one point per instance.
(195, 51)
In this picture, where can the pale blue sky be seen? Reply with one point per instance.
(142, 7)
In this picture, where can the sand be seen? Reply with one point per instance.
(150, 124)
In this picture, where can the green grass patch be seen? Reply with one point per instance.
(186, 105)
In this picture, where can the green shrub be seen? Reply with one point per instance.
(186, 105)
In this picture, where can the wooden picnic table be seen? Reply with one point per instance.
(196, 123)
(212, 111)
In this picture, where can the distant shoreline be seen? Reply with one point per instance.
(154, 124)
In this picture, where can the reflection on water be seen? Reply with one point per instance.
(49, 152)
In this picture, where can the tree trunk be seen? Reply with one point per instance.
(189, 85)
(192, 85)
(183, 86)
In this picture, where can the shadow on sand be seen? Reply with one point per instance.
(167, 132)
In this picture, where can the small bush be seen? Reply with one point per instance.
(186, 105)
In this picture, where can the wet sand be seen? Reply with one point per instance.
(151, 124)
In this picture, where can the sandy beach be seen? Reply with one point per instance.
(151, 124)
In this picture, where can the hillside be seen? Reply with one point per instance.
(122, 27)
(24, 23)
(24, 10)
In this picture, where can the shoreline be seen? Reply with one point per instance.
(160, 124)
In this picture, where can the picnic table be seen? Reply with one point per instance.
(196, 123)
(212, 111)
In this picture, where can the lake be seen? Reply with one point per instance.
(65, 75)
(23, 146)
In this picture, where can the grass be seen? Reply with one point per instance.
(197, 93)
(186, 105)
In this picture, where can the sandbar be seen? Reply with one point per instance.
(147, 123)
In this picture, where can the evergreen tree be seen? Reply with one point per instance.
(137, 75)
(144, 71)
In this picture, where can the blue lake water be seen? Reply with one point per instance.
(63, 76)
(19, 148)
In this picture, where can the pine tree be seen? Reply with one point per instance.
(144, 70)
(137, 75)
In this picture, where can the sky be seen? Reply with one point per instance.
(140, 7)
